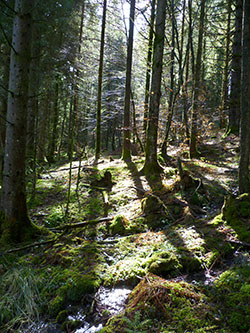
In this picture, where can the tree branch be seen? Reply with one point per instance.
(10, 8)
(6, 37)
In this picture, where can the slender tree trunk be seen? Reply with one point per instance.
(149, 67)
(13, 201)
(65, 104)
(70, 153)
(171, 93)
(126, 149)
(151, 166)
(76, 79)
(197, 84)
(234, 101)
(190, 40)
(42, 127)
(55, 116)
(135, 131)
(99, 96)
(225, 84)
(244, 181)
(185, 97)
(70, 128)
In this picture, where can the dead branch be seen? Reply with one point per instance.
(30, 246)
(50, 241)
(84, 224)
(239, 243)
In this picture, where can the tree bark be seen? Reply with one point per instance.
(126, 148)
(197, 85)
(99, 96)
(151, 166)
(171, 93)
(13, 201)
(234, 100)
(149, 67)
(225, 83)
(55, 116)
(244, 181)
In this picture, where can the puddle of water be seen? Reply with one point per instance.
(112, 300)
(87, 328)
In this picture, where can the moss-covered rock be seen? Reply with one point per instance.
(71, 325)
(56, 305)
(119, 225)
(232, 294)
(62, 316)
(236, 213)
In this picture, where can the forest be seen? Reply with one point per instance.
(124, 174)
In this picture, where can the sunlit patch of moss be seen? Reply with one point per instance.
(149, 252)
(56, 217)
(218, 220)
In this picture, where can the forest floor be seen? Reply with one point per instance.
(179, 246)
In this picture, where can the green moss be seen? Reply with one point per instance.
(122, 226)
(56, 305)
(118, 225)
(62, 316)
(218, 220)
(189, 263)
(233, 297)
(165, 305)
(71, 325)
(236, 213)
(13, 231)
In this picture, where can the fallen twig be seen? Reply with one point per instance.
(83, 224)
(240, 243)
(26, 247)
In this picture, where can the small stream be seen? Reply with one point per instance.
(110, 301)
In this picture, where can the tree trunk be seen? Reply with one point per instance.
(197, 85)
(15, 222)
(42, 129)
(99, 96)
(55, 115)
(224, 102)
(244, 181)
(33, 92)
(4, 104)
(234, 101)
(126, 149)
(151, 166)
(149, 67)
(171, 93)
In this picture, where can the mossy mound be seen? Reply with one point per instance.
(232, 294)
(159, 305)
(122, 226)
(236, 213)
(74, 290)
